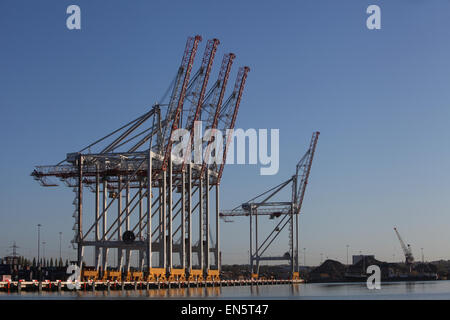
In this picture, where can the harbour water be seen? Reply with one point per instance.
(353, 291)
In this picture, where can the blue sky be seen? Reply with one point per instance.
(380, 99)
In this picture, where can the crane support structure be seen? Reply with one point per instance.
(285, 212)
(144, 202)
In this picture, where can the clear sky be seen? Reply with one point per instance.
(379, 98)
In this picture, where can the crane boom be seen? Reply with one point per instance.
(196, 90)
(304, 165)
(175, 93)
(197, 102)
(200, 89)
(217, 102)
(230, 117)
(187, 63)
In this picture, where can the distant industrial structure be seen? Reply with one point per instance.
(409, 258)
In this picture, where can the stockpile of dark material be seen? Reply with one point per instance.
(274, 272)
(425, 268)
(334, 271)
(443, 268)
(361, 265)
(331, 270)
(235, 271)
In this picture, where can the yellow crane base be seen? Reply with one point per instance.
(213, 275)
(135, 276)
(177, 275)
(195, 275)
(89, 275)
(156, 274)
(112, 276)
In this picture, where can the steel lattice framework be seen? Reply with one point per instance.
(287, 211)
(144, 200)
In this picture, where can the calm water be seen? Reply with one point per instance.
(392, 290)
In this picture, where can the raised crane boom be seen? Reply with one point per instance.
(186, 66)
(409, 259)
(197, 101)
(303, 170)
(229, 112)
(200, 85)
(215, 106)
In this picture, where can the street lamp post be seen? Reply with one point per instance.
(347, 253)
(43, 250)
(60, 237)
(69, 253)
(39, 244)
(363, 260)
(304, 257)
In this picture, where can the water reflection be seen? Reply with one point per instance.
(410, 286)
(195, 292)
(295, 289)
(254, 290)
(389, 290)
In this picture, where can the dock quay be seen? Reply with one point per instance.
(36, 286)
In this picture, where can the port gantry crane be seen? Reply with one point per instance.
(132, 171)
(409, 258)
(287, 211)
